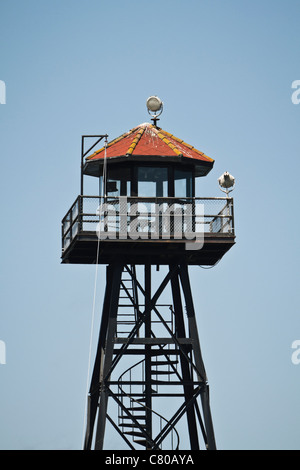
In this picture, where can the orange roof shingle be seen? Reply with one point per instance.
(148, 140)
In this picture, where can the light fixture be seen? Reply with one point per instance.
(226, 181)
(155, 107)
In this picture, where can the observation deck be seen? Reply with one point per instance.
(139, 230)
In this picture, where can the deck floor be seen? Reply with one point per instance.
(83, 250)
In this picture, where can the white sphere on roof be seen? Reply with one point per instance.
(154, 104)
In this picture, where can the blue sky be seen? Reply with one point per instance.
(224, 71)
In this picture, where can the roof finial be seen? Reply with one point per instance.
(154, 105)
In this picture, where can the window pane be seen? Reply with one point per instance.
(183, 183)
(118, 182)
(152, 182)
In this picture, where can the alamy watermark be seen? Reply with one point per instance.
(2, 92)
(2, 352)
(296, 94)
(123, 219)
(296, 353)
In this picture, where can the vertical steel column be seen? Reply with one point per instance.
(148, 391)
(94, 391)
(198, 356)
(186, 374)
(106, 359)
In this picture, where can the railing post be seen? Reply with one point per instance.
(71, 224)
(80, 211)
(232, 217)
(62, 236)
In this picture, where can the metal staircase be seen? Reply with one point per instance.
(133, 414)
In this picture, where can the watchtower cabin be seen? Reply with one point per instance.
(148, 387)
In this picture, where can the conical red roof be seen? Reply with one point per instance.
(146, 140)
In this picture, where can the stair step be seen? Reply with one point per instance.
(134, 416)
(127, 314)
(134, 433)
(137, 408)
(164, 382)
(143, 398)
(158, 352)
(162, 372)
(142, 442)
(163, 363)
(129, 425)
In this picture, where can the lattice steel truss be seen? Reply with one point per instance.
(149, 364)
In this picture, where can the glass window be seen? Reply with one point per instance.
(118, 182)
(183, 183)
(152, 182)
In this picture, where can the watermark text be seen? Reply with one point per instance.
(2, 352)
(2, 92)
(296, 94)
(296, 353)
(122, 219)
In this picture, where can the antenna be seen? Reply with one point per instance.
(154, 105)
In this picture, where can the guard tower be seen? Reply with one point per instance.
(149, 381)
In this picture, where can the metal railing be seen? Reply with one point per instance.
(169, 218)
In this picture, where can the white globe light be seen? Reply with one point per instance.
(226, 182)
(154, 104)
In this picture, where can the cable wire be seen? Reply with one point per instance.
(103, 196)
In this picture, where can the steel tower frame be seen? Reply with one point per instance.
(176, 354)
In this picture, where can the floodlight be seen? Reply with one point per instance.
(226, 181)
(154, 105)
